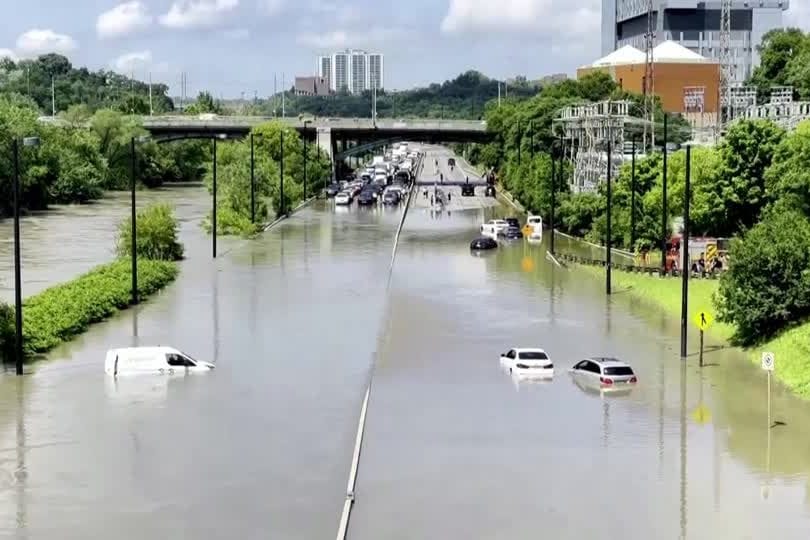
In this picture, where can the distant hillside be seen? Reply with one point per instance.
(74, 86)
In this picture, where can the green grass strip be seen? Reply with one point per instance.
(791, 348)
(60, 313)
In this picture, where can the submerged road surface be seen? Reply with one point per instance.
(260, 448)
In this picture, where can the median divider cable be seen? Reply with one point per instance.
(343, 526)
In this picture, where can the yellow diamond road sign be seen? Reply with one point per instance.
(703, 319)
(702, 415)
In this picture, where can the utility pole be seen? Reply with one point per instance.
(609, 217)
(685, 251)
(499, 93)
(275, 94)
(151, 110)
(665, 220)
(53, 97)
(283, 92)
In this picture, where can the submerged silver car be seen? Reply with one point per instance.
(604, 374)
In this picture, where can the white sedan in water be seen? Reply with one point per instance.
(604, 374)
(493, 227)
(343, 198)
(528, 363)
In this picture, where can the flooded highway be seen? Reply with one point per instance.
(454, 447)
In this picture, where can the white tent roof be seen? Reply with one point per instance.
(625, 55)
(671, 52)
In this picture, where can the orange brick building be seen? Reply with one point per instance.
(678, 75)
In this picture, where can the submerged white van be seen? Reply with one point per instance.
(159, 360)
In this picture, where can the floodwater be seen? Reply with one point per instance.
(454, 448)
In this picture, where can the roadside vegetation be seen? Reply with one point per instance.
(753, 187)
(60, 313)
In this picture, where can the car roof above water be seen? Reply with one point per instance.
(606, 360)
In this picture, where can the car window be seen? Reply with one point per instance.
(591, 367)
(178, 360)
(533, 355)
(510, 354)
(618, 370)
(581, 365)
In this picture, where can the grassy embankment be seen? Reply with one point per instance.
(60, 313)
(791, 348)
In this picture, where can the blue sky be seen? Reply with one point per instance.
(234, 46)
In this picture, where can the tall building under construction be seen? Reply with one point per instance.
(694, 24)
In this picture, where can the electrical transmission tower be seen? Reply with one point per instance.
(727, 75)
(649, 81)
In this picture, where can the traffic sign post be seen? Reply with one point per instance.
(768, 364)
(703, 320)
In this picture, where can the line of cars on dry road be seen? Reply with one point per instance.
(596, 373)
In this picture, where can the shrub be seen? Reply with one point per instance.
(767, 286)
(61, 312)
(157, 235)
(6, 330)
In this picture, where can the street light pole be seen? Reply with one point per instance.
(633, 198)
(685, 250)
(305, 158)
(609, 220)
(18, 336)
(18, 311)
(281, 178)
(252, 183)
(134, 229)
(214, 203)
(553, 201)
(665, 221)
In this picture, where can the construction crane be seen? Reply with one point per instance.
(727, 75)
(649, 81)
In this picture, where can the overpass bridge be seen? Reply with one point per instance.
(337, 136)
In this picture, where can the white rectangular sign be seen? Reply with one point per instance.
(767, 361)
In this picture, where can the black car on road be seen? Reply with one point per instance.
(483, 242)
(366, 197)
(467, 190)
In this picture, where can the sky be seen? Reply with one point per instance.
(235, 46)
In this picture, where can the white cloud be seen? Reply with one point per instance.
(8, 53)
(123, 19)
(270, 7)
(41, 41)
(324, 40)
(197, 13)
(236, 34)
(558, 17)
(336, 39)
(139, 62)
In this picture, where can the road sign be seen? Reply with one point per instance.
(703, 319)
(767, 361)
(711, 252)
(702, 415)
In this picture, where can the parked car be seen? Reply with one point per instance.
(528, 362)
(332, 190)
(157, 360)
(367, 197)
(605, 374)
(343, 198)
(493, 227)
(483, 243)
(391, 197)
(513, 222)
(511, 233)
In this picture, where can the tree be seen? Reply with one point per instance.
(739, 193)
(788, 178)
(157, 231)
(205, 103)
(767, 286)
(779, 50)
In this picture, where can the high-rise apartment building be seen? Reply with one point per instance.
(323, 68)
(341, 72)
(359, 69)
(375, 71)
(695, 24)
(353, 70)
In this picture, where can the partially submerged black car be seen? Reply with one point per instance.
(513, 222)
(511, 233)
(483, 242)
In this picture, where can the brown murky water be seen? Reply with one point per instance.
(454, 447)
